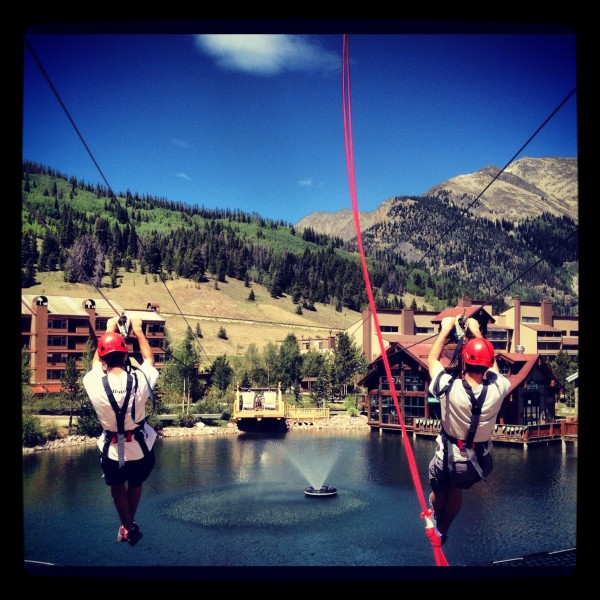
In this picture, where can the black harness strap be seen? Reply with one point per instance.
(445, 441)
(120, 413)
(467, 444)
(476, 404)
(138, 433)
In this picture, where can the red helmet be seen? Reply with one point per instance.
(479, 351)
(111, 342)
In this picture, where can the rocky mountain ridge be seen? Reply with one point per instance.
(528, 187)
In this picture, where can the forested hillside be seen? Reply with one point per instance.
(536, 258)
(93, 236)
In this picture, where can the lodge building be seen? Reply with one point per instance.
(56, 328)
(529, 327)
(527, 413)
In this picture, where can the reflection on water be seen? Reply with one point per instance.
(239, 501)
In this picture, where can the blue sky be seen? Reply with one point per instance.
(254, 121)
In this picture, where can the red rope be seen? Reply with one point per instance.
(347, 113)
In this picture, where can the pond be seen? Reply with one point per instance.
(226, 504)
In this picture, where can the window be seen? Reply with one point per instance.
(549, 346)
(389, 328)
(57, 323)
(424, 330)
(530, 319)
(497, 335)
(57, 340)
(374, 407)
(385, 384)
(413, 382)
(56, 374)
(414, 406)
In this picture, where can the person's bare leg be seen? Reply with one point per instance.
(121, 500)
(133, 496)
(446, 506)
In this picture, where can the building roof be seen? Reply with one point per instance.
(46, 388)
(395, 338)
(72, 307)
(420, 351)
(145, 315)
(540, 327)
(26, 307)
(514, 357)
(500, 327)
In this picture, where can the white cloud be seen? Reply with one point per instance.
(310, 182)
(179, 143)
(267, 54)
(183, 176)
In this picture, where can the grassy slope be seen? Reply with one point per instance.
(212, 308)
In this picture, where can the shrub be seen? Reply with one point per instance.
(51, 431)
(33, 432)
(155, 422)
(185, 420)
(87, 421)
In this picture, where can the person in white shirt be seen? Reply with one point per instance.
(469, 407)
(118, 394)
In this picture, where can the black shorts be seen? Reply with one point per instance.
(134, 472)
(461, 474)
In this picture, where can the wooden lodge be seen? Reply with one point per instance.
(527, 414)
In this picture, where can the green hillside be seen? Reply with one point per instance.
(75, 232)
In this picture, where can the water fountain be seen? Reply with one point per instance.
(323, 492)
(315, 469)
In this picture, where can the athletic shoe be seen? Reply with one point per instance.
(443, 536)
(122, 534)
(134, 535)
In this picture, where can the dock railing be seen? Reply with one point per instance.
(268, 403)
(510, 433)
(305, 414)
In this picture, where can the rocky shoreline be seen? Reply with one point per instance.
(339, 422)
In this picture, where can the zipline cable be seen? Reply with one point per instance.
(112, 195)
(440, 559)
(347, 116)
(487, 187)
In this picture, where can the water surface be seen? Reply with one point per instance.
(221, 502)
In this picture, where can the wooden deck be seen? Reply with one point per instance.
(264, 408)
(566, 431)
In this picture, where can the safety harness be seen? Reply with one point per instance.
(473, 449)
(121, 436)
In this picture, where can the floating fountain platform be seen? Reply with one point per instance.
(324, 491)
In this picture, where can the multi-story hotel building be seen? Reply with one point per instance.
(56, 328)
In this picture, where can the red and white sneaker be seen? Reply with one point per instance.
(122, 534)
(132, 536)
